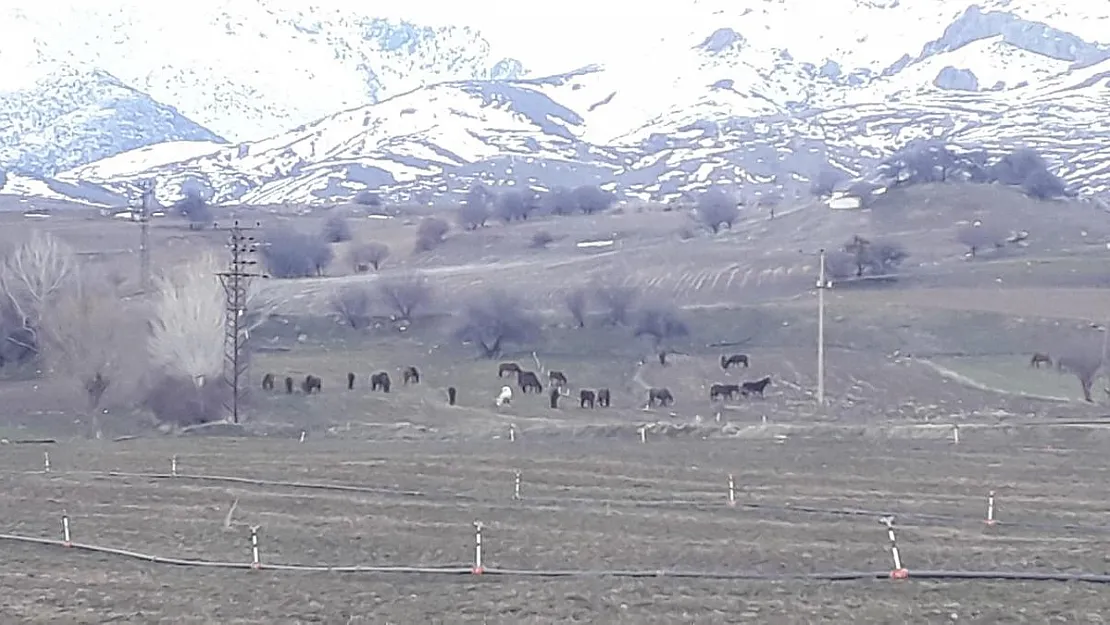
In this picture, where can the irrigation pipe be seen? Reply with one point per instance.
(920, 519)
(566, 573)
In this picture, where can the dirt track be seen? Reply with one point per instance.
(589, 505)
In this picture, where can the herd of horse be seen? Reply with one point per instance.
(529, 381)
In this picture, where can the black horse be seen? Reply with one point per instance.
(451, 394)
(289, 385)
(268, 382)
(510, 368)
(350, 381)
(380, 380)
(756, 388)
(312, 383)
(410, 374)
(723, 390)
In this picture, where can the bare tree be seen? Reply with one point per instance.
(352, 304)
(496, 319)
(32, 278)
(559, 201)
(592, 199)
(336, 230)
(515, 204)
(194, 208)
(660, 323)
(616, 301)
(1084, 363)
(978, 237)
(475, 211)
(365, 255)
(405, 295)
(576, 302)
(715, 207)
(430, 234)
(186, 341)
(87, 338)
(291, 254)
(826, 180)
(880, 258)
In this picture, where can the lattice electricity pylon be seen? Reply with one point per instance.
(236, 281)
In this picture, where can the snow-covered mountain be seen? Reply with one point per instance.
(748, 93)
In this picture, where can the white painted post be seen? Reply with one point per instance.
(764, 420)
(65, 529)
(173, 466)
(955, 435)
(717, 417)
(302, 435)
(899, 571)
(512, 432)
(478, 569)
(990, 509)
(643, 434)
(256, 562)
(731, 490)
(516, 485)
(46, 462)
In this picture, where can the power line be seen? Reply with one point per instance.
(236, 281)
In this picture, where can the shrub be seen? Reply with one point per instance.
(291, 254)
(336, 230)
(430, 234)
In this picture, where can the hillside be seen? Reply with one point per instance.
(728, 96)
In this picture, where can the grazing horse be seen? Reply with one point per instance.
(554, 396)
(528, 380)
(268, 382)
(757, 387)
(734, 359)
(586, 397)
(603, 397)
(350, 381)
(312, 383)
(451, 394)
(289, 385)
(410, 374)
(557, 378)
(663, 359)
(505, 397)
(1039, 358)
(661, 395)
(510, 368)
(727, 390)
(380, 380)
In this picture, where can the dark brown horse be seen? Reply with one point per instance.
(756, 388)
(451, 394)
(410, 374)
(603, 397)
(350, 381)
(557, 378)
(528, 380)
(312, 383)
(1039, 358)
(380, 380)
(586, 398)
(554, 396)
(723, 390)
(289, 384)
(510, 368)
(662, 396)
(268, 382)
(734, 359)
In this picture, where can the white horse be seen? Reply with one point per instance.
(505, 397)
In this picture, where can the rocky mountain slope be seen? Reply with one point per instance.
(736, 94)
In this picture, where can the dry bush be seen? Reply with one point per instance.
(365, 255)
(32, 278)
(430, 234)
(184, 401)
(352, 304)
(496, 319)
(406, 294)
(541, 240)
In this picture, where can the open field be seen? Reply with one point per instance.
(947, 344)
(593, 505)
